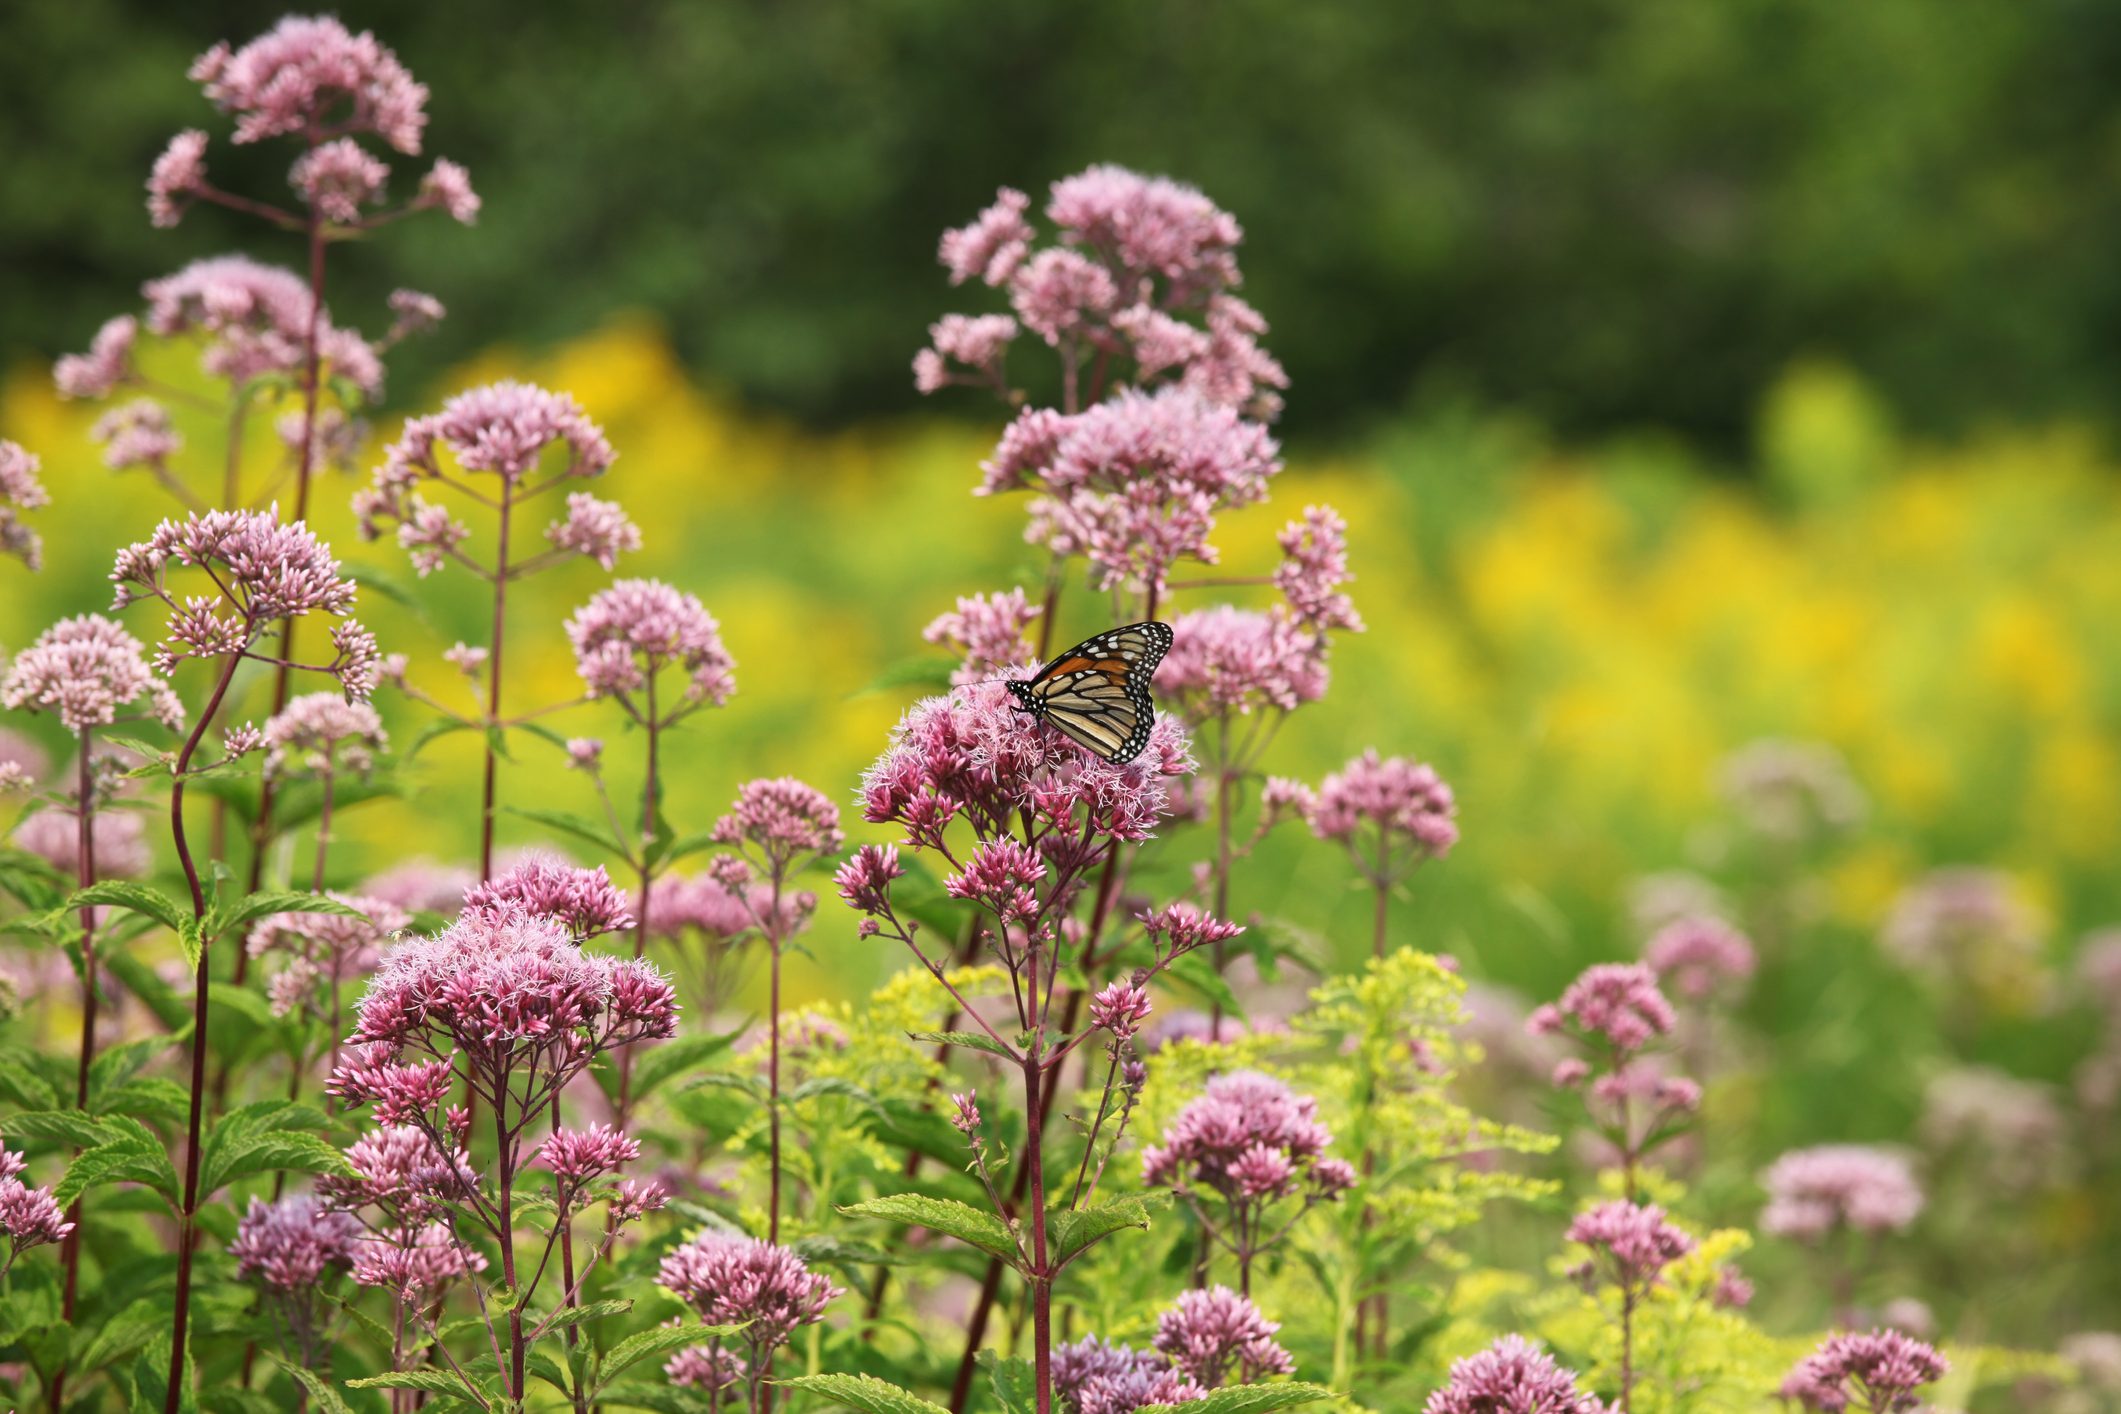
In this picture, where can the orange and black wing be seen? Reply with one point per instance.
(1097, 692)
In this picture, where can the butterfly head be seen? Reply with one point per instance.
(1026, 700)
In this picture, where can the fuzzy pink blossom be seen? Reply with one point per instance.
(414, 1267)
(1092, 1377)
(1314, 566)
(578, 1156)
(1402, 801)
(178, 175)
(255, 320)
(468, 659)
(864, 879)
(729, 1279)
(137, 433)
(1059, 294)
(783, 819)
(2013, 1129)
(629, 633)
(86, 668)
(1631, 1243)
(597, 530)
(1701, 957)
(989, 631)
(704, 1368)
(585, 753)
(583, 901)
(1883, 1369)
(29, 1217)
(1134, 483)
(2099, 971)
(993, 245)
(1147, 226)
(400, 1168)
(1512, 1376)
(322, 733)
(414, 312)
(1963, 925)
(1813, 1192)
(1612, 1002)
(963, 348)
(338, 178)
(308, 73)
(422, 886)
(288, 1245)
(706, 905)
(118, 841)
(1237, 1113)
(108, 362)
(1002, 876)
(1121, 1008)
(1216, 1334)
(1225, 659)
(447, 186)
(1181, 927)
(504, 428)
(242, 740)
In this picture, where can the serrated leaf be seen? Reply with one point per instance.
(268, 902)
(662, 1340)
(569, 823)
(1246, 1399)
(150, 1098)
(328, 1399)
(1014, 1381)
(121, 1335)
(667, 1060)
(130, 1153)
(78, 1128)
(23, 1081)
(865, 1393)
(1073, 1233)
(433, 1381)
(138, 898)
(268, 1153)
(945, 1215)
(576, 1315)
(970, 1040)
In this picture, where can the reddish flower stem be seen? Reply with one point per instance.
(493, 682)
(180, 1320)
(84, 875)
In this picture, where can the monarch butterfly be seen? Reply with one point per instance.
(1097, 692)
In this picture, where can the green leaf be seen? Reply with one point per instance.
(945, 1215)
(130, 1154)
(1015, 1382)
(269, 902)
(433, 1381)
(142, 981)
(575, 1315)
(122, 1334)
(1073, 1233)
(661, 1340)
(149, 1098)
(117, 1064)
(139, 898)
(1195, 972)
(78, 1128)
(327, 1399)
(569, 823)
(667, 1060)
(664, 1399)
(970, 1040)
(432, 732)
(24, 1081)
(1246, 1399)
(267, 1153)
(865, 1393)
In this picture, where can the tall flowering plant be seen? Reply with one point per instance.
(499, 448)
(507, 1004)
(1025, 822)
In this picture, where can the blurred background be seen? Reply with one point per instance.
(1691, 376)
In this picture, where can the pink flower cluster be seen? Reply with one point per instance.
(117, 842)
(1883, 1369)
(1314, 565)
(971, 754)
(28, 1216)
(1701, 957)
(1144, 270)
(86, 668)
(1964, 925)
(583, 901)
(324, 947)
(1134, 483)
(1091, 1377)
(1512, 1376)
(1404, 802)
(783, 820)
(1815, 1192)
(732, 1280)
(626, 635)
(1216, 1335)
(1122, 1009)
(1631, 1243)
(1251, 1139)
(309, 74)
(253, 320)
(20, 490)
(1792, 792)
(1225, 659)
(287, 1245)
(323, 733)
(265, 570)
(988, 631)
(1615, 1004)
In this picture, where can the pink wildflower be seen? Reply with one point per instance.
(1631, 1242)
(1003, 876)
(308, 73)
(1092, 1377)
(1813, 1192)
(584, 901)
(579, 1156)
(117, 840)
(338, 178)
(993, 245)
(783, 819)
(597, 530)
(1226, 659)
(729, 1279)
(1314, 566)
(1215, 1334)
(414, 313)
(1121, 1009)
(448, 186)
(1512, 1376)
(630, 632)
(288, 1244)
(29, 1217)
(1616, 1003)
(321, 732)
(988, 631)
(108, 362)
(178, 175)
(864, 879)
(1403, 801)
(1237, 1113)
(1883, 1369)
(86, 668)
(974, 344)
(138, 433)
(1702, 957)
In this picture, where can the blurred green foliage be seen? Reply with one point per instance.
(1609, 213)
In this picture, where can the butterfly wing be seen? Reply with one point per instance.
(1097, 692)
